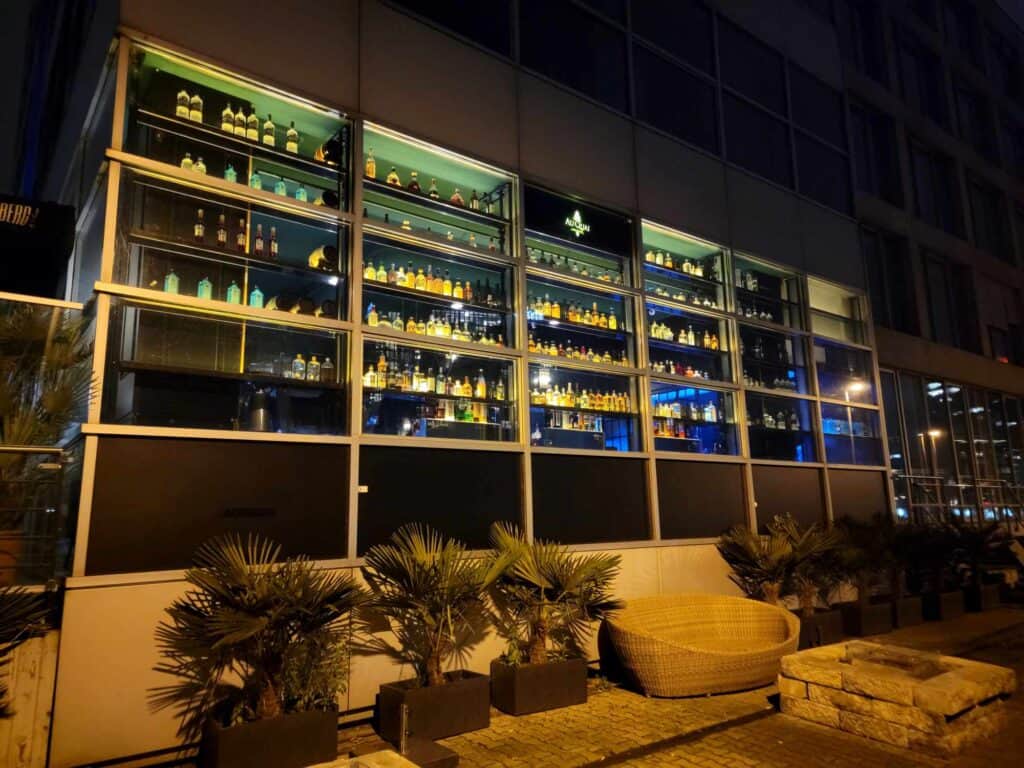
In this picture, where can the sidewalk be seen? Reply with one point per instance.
(619, 727)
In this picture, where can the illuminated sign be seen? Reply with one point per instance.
(576, 224)
(19, 214)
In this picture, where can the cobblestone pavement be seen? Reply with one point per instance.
(618, 727)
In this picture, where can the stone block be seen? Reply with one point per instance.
(899, 714)
(879, 682)
(947, 694)
(794, 689)
(976, 724)
(809, 710)
(874, 728)
(812, 667)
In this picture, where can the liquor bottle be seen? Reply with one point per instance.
(382, 275)
(269, 132)
(710, 412)
(691, 337)
(298, 368)
(327, 371)
(769, 420)
(222, 232)
(446, 286)
(227, 119)
(234, 294)
(240, 236)
(256, 297)
(472, 240)
(602, 321)
(432, 193)
(456, 198)
(281, 188)
(474, 201)
(414, 183)
(780, 420)
(257, 243)
(291, 140)
(457, 292)
(369, 273)
(240, 123)
(370, 167)
(256, 181)
(499, 390)
(392, 178)
(252, 125)
(200, 166)
(186, 162)
(181, 110)
(410, 326)
(556, 310)
(205, 289)
(794, 421)
(230, 174)
(420, 283)
(613, 321)
(714, 342)
(313, 369)
(706, 341)
(669, 264)
(546, 306)
(199, 228)
(195, 108)
(481, 386)
(171, 282)
(273, 243)
(372, 318)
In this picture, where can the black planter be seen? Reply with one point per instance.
(520, 690)
(907, 611)
(981, 597)
(824, 628)
(289, 741)
(435, 712)
(860, 620)
(939, 606)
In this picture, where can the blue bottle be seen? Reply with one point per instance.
(171, 282)
(256, 298)
(205, 289)
(234, 294)
(300, 194)
(280, 188)
(255, 181)
(230, 174)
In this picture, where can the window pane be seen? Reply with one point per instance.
(824, 173)
(961, 27)
(487, 24)
(988, 215)
(573, 47)
(780, 428)
(613, 9)
(1000, 437)
(965, 310)
(792, 491)
(983, 452)
(859, 27)
(921, 81)
(699, 500)
(817, 107)
(857, 494)
(751, 67)
(757, 141)
(974, 118)
(681, 27)
(937, 438)
(935, 188)
(852, 435)
(844, 373)
(918, 459)
(1013, 144)
(875, 156)
(941, 311)
(961, 438)
(670, 98)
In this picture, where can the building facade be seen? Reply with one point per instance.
(600, 268)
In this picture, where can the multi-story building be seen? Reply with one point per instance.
(601, 267)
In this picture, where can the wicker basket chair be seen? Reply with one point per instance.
(688, 645)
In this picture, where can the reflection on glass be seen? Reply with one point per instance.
(939, 448)
(844, 373)
(687, 344)
(1000, 437)
(961, 437)
(772, 360)
(692, 420)
(766, 293)
(1015, 428)
(580, 409)
(169, 368)
(577, 260)
(851, 435)
(983, 452)
(780, 428)
(428, 393)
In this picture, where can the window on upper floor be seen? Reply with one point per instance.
(936, 192)
(576, 48)
(974, 119)
(859, 27)
(890, 280)
(750, 67)
(823, 173)
(691, 113)
(679, 27)
(1013, 144)
(989, 220)
(757, 141)
(925, 11)
(487, 24)
(1004, 67)
(875, 154)
(816, 107)
(921, 80)
(952, 307)
(821, 7)
(613, 9)
(960, 25)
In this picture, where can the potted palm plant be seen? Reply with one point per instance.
(759, 564)
(258, 647)
(544, 604)
(866, 556)
(813, 572)
(973, 545)
(22, 617)
(431, 592)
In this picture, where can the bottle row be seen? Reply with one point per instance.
(284, 301)
(476, 203)
(691, 411)
(612, 402)
(705, 268)
(326, 197)
(683, 296)
(441, 327)
(388, 374)
(687, 336)
(545, 309)
(571, 352)
(678, 369)
(562, 263)
(775, 382)
(483, 294)
(781, 420)
(297, 368)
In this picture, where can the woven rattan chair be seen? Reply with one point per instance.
(687, 645)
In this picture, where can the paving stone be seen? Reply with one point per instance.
(795, 689)
(811, 710)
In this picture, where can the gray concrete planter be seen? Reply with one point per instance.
(526, 688)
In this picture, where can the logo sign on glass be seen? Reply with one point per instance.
(576, 224)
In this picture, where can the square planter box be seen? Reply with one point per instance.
(872, 619)
(289, 741)
(520, 690)
(938, 606)
(982, 597)
(824, 628)
(435, 712)
(907, 611)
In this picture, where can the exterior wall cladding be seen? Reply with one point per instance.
(372, 60)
